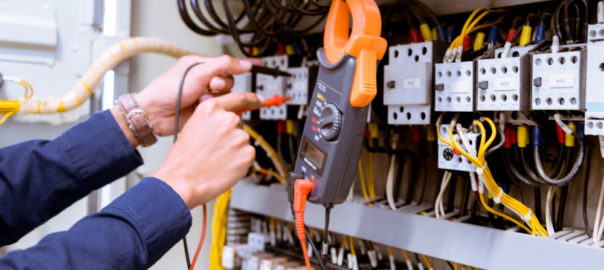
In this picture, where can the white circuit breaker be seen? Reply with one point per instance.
(454, 87)
(268, 86)
(297, 86)
(243, 83)
(502, 84)
(448, 159)
(408, 81)
(558, 80)
(594, 90)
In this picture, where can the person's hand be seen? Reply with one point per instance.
(212, 152)
(214, 76)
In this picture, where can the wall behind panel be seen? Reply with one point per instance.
(160, 19)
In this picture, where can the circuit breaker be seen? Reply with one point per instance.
(502, 84)
(449, 159)
(268, 86)
(297, 85)
(408, 82)
(454, 87)
(558, 80)
(594, 95)
(243, 83)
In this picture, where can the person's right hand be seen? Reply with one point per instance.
(212, 152)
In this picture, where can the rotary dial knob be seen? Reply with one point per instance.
(330, 122)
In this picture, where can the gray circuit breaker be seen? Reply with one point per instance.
(408, 82)
(558, 80)
(594, 91)
(502, 84)
(454, 87)
(243, 83)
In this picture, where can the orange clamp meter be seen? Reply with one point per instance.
(346, 85)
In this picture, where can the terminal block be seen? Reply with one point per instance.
(502, 84)
(454, 87)
(243, 83)
(408, 81)
(449, 159)
(558, 80)
(268, 86)
(594, 95)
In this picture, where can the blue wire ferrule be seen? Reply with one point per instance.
(440, 33)
(539, 33)
(492, 35)
(450, 30)
(580, 133)
(536, 136)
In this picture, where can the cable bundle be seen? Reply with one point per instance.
(455, 50)
(269, 23)
(486, 178)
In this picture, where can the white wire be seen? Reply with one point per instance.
(549, 224)
(558, 119)
(597, 223)
(390, 183)
(439, 209)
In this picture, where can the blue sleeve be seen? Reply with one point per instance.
(133, 232)
(38, 179)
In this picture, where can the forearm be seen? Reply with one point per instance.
(38, 179)
(127, 234)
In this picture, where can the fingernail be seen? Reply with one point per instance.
(245, 63)
(219, 84)
(260, 97)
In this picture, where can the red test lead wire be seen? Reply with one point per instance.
(275, 100)
(302, 188)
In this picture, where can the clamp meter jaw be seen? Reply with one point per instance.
(335, 125)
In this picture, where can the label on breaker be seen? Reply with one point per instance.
(461, 86)
(561, 81)
(411, 83)
(504, 84)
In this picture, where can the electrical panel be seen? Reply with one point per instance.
(502, 84)
(454, 87)
(594, 95)
(558, 80)
(268, 86)
(408, 81)
(448, 158)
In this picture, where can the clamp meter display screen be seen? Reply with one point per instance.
(313, 155)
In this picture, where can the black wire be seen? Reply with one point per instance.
(538, 210)
(325, 238)
(314, 249)
(561, 207)
(176, 124)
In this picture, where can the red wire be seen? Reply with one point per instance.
(203, 236)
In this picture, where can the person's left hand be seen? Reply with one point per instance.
(214, 77)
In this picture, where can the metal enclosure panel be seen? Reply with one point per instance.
(558, 81)
(447, 160)
(268, 86)
(481, 247)
(454, 87)
(503, 83)
(594, 76)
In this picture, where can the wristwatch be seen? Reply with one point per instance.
(137, 120)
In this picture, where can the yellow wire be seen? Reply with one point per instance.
(362, 179)
(6, 116)
(455, 266)
(370, 173)
(427, 262)
(272, 173)
(219, 224)
(351, 244)
(517, 207)
(270, 152)
(405, 254)
(390, 252)
(501, 214)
